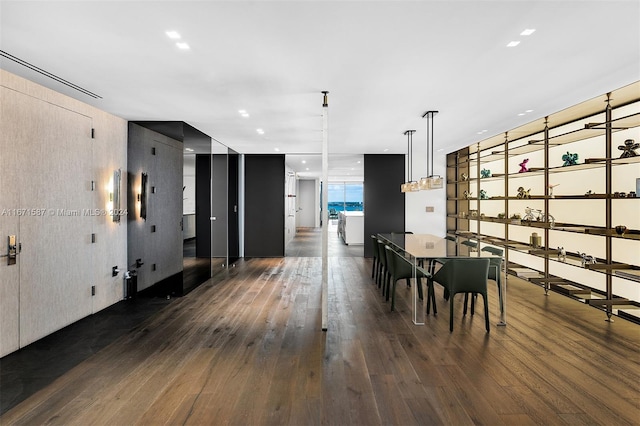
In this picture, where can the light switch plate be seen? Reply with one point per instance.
(429, 209)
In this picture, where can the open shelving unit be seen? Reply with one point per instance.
(588, 211)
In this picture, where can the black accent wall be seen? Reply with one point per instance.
(203, 205)
(264, 205)
(383, 201)
(234, 229)
(157, 239)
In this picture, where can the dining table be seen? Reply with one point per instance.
(422, 250)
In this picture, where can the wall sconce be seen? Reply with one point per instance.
(143, 195)
(114, 196)
(430, 181)
(410, 185)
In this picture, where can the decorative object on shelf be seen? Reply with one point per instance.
(522, 193)
(483, 195)
(587, 259)
(430, 181)
(562, 254)
(629, 148)
(410, 185)
(485, 173)
(462, 215)
(468, 194)
(569, 159)
(515, 219)
(523, 166)
(464, 177)
(620, 230)
(473, 213)
(531, 215)
(537, 215)
(502, 216)
(589, 192)
(632, 194)
(535, 240)
(551, 186)
(482, 216)
(619, 195)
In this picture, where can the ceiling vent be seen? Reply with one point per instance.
(48, 74)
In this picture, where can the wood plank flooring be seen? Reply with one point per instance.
(247, 349)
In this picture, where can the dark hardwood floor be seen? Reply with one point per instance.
(248, 349)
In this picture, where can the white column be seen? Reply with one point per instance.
(325, 214)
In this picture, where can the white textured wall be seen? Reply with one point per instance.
(48, 163)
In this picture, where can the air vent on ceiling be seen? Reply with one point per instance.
(48, 74)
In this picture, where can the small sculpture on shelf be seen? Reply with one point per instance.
(485, 173)
(620, 230)
(629, 148)
(632, 194)
(523, 166)
(587, 259)
(562, 254)
(551, 186)
(535, 240)
(464, 177)
(522, 193)
(588, 193)
(483, 195)
(619, 195)
(468, 194)
(569, 159)
(537, 215)
(501, 216)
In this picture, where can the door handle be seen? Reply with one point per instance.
(12, 250)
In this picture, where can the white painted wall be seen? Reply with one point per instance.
(417, 219)
(290, 196)
(308, 203)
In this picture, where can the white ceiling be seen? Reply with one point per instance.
(384, 63)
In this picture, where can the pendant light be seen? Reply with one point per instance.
(410, 185)
(430, 181)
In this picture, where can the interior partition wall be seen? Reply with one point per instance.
(384, 204)
(264, 215)
(57, 162)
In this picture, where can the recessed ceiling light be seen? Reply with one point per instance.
(440, 150)
(182, 45)
(242, 111)
(522, 113)
(358, 162)
(386, 149)
(513, 44)
(304, 161)
(528, 31)
(529, 110)
(188, 149)
(276, 149)
(307, 169)
(174, 35)
(260, 131)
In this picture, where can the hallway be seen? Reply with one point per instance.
(248, 350)
(308, 243)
